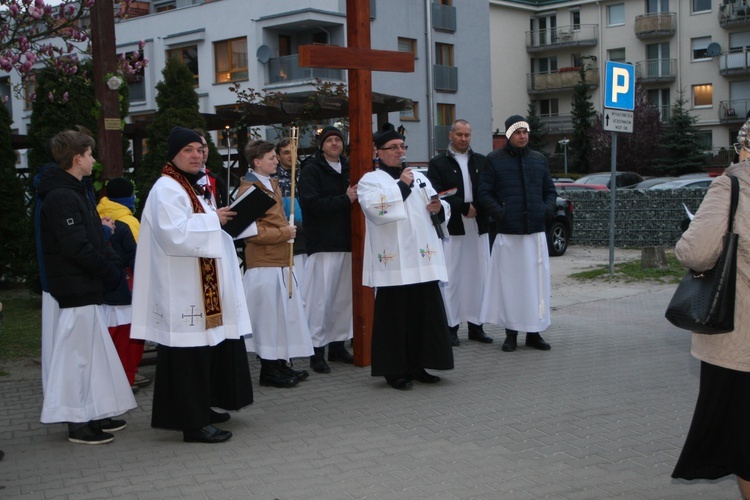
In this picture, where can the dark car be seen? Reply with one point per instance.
(559, 227)
(622, 179)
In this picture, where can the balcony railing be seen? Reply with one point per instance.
(734, 110)
(287, 69)
(580, 35)
(443, 17)
(446, 78)
(655, 25)
(734, 62)
(558, 124)
(733, 14)
(554, 81)
(656, 70)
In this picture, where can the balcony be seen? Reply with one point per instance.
(584, 35)
(443, 17)
(734, 62)
(656, 25)
(446, 78)
(562, 79)
(558, 124)
(734, 14)
(287, 70)
(656, 71)
(733, 111)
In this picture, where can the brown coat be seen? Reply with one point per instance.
(270, 248)
(699, 249)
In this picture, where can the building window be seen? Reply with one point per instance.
(407, 45)
(704, 139)
(544, 64)
(657, 6)
(410, 114)
(616, 55)
(165, 6)
(444, 2)
(575, 20)
(444, 54)
(703, 95)
(189, 57)
(29, 92)
(446, 114)
(701, 6)
(230, 60)
(616, 14)
(659, 98)
(285, 45)
(699, 47)
(548, 107)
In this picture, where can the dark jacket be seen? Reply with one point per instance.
(325, 205)
(517, 190)
(79, 264)
(123, 243)
(445, 173)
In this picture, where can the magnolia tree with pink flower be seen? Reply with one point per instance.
(34, 33)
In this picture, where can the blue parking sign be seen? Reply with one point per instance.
(619, 86)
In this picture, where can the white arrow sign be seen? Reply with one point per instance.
(615, 120)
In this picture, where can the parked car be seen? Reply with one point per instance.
(563, 187)
(559, 227)
(653, 181)
(694, 183)
(622, 179)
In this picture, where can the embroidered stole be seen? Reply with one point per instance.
(208, 268)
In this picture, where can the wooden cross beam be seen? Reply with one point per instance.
(360, 60)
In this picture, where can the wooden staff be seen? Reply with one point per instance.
(293, 141)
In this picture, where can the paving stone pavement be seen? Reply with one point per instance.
(602, 415)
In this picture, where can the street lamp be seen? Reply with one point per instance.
(564, 142)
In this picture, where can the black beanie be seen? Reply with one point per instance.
(386, 133)
(119, 187)
(179, 137)
(514, 123)
(328, 132)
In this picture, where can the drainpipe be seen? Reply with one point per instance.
(430, 84)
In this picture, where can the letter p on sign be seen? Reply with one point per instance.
(619, 84)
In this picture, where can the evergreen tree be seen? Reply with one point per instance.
(583, 113)
(177, 105)
(538, 134)
(16, 242)
(680, 147)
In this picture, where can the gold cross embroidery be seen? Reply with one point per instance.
(382, 206)
(427, 252)
(385, 257)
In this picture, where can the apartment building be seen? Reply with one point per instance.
(697, 46)
(256, 43)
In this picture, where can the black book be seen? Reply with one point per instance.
(250, 206)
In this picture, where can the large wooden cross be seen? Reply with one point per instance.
(360, 60)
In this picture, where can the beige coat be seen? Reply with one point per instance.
(699, 249)
(270, 248)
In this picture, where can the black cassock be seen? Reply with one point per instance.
(190, 380)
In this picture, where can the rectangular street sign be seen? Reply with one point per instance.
(616, 120)
(619, 86)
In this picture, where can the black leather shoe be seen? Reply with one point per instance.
(342, 356)
(319, 365)
(208, 434)
(108, 425)
(218, 418)
(477, 333)
(421, 375)
(453, 332)
(510, 344)
(400, 383)
(536, 341)
(285, 368)
(273, 377)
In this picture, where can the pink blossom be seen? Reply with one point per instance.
(51, 97)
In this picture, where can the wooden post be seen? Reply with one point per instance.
(360, 60)
(109, 136)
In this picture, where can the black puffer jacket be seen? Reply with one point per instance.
(445, 173)
(325, 205)
(517, 190)
(123, 243)
(79, 264)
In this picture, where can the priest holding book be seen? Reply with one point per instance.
(188, 298)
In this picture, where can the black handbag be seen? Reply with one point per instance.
(704, 301)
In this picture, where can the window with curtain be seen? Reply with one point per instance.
(230, 60)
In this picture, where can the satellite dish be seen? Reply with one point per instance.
(263, 53)
(713, 49)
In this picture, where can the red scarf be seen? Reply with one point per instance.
(209, 274)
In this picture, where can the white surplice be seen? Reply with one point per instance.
(401, 245)
(517, 290)
(167, 290)
(85, 379)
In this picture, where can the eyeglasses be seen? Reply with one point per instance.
(395, 148)
(739, 147)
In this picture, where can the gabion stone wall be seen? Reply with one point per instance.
(646, 217)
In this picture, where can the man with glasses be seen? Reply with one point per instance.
(403, 258)
(467, 249)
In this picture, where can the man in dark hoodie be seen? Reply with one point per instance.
(85, 383)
